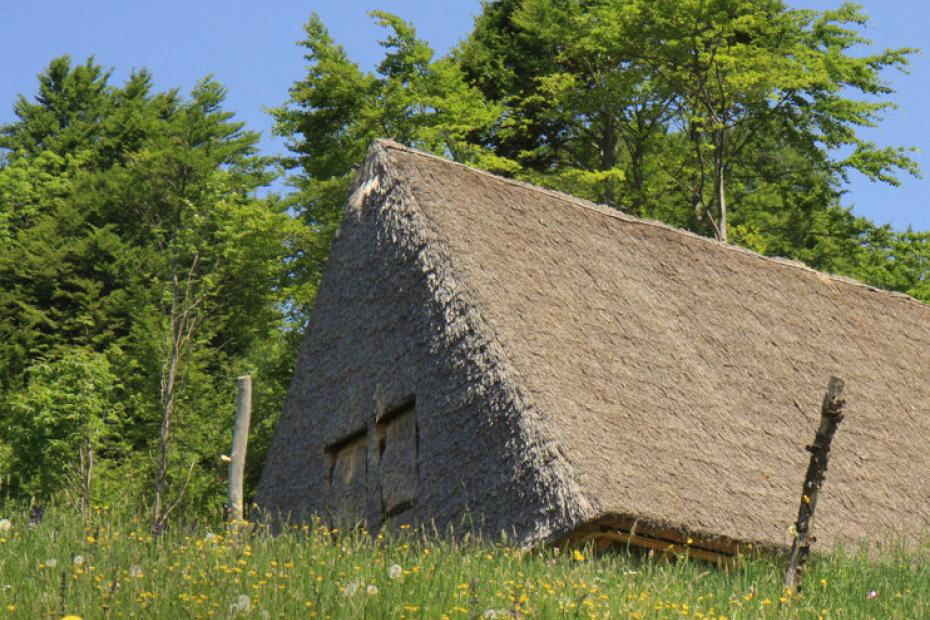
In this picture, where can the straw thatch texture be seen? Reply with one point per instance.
(662, 376)
(390, 326)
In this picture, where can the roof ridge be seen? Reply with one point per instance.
(632, 219)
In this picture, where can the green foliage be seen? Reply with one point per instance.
(689, 111)
(317, 572)
(133, 231)
(897, 261)
(67, 414)
(337, 110)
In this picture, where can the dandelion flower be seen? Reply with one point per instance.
(371, 590)
(71, 618)
(243, 604)
(5, 526)
(78, 560)
(578, 556)
(395, 572)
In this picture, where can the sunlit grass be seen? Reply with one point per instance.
(107, 568)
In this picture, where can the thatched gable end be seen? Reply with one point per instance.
(563, 364)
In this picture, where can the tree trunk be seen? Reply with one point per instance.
(720, 184)
(169, 379)
(636, 169)
(609, 158)
(698, 206)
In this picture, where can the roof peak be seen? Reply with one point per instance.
(386, 144)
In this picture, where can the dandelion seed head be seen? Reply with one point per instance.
(395, 572)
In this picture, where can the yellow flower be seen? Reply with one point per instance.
(578, 556)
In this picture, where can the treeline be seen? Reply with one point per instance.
(143, 266)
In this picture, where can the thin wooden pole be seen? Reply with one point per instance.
(831, 414)
(240, 442)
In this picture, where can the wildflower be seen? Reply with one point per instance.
(210, 537)
(351, 588)
(51, 562)
(872, 595)
(243, 604)
(78, 560)
(489, 613)
(35, 514)
(135, 571)
(371, 590)
(395, 572)
(578, 556)
(5, 526)
(69, 617)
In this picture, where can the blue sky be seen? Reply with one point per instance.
(250, 47)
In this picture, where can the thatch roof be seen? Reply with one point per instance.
(670, 379)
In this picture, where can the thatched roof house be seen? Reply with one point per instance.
(539, 364)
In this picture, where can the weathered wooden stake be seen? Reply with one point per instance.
(831, 414)
(240, 442)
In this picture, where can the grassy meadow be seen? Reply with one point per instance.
(106, 567)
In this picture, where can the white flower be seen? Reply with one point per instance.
(351, 588)
(371, 590)
(51, 562)
(78, 560)
(489, 613)
(5, 526)
(395, 572)
(243, 604)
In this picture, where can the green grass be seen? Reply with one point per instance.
(310, 572)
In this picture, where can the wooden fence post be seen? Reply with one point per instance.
(240, 442)
(831, 414)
